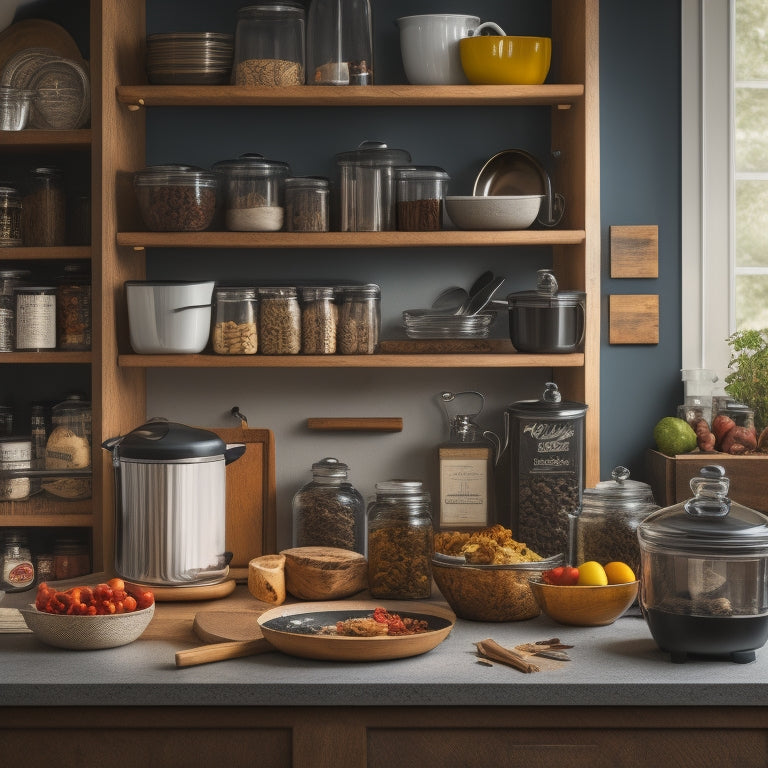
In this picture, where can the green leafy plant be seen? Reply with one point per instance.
(748, 380)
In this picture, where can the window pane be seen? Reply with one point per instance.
(750, 134)
(751, 231)
(751, 31)
(752, 301)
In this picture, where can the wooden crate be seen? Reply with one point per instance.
(669, 477)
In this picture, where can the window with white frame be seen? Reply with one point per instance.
(724, 175)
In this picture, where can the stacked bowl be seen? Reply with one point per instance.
(189, 58)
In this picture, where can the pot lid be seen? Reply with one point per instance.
(550, 405)
(162, 440)
(621, 489)
(707, 523)
(546, 294)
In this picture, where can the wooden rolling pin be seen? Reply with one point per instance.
(204, 654)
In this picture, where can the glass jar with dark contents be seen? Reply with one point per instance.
(73, 308)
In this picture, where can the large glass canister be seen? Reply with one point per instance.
(9, 280)
(400, 541)
(329, 511)
(69, 447)
(307, 207)
(367, 201)
(73, 308)
(236, 321)
(606, 529)
(44, 208)
(420, 193)
(359, 318)
(546, 452)
(269, 44)
(703, 575)
(279, 320)
(339, 43)
(319, 316)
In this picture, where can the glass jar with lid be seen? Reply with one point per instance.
(71, 558)
(18, 569)
(10, 216)
(279, 320)
(400, 541)
(35, 318)
(329, 511)
(235, 327)
(306, 204)
(269, 44)
(69, 447)
(420, 193)
(606, 529)
(359, 318)
(254, 193)
(318, 320)
(73, 308)
(9, 279)
(44, 208)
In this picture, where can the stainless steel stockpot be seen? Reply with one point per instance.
(170, 498)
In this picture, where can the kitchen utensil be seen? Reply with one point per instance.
(584, 606)
(481, 297)
(170, 501)
(547, 321)
(704, 565)
(292, 629)
(505, 59)
(498, 212)
(450, 300)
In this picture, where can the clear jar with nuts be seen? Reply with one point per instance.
(318, 321)
(279, 321)
(235, 329)
(359, 319)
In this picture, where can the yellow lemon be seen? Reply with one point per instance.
(592, 574)
(619, 573)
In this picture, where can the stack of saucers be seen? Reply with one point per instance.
(428, 324)
(189, 58)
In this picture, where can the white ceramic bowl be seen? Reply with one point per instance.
(87, 632)
(168, 317)
(493, 212)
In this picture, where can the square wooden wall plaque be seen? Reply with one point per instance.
(634, 251)
(633, 319)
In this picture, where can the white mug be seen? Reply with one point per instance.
(429, 45)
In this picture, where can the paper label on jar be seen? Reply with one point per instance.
(18, 574)
(35, 321)
(549, 446)
(463, 492)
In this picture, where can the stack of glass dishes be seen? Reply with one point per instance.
(189, 58)
(429, 324)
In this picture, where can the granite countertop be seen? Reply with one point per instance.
(615, 665)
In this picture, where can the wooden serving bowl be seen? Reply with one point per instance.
(584, 606)
(324, 573)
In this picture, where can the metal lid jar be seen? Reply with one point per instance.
(307, 206)
(69, 447)
(318, 320)
(10, 217)
(18, 570)
(359, 318)
(329, 511)
(420, 191)
(400, 541)
(606, 529)
(73, 308)
(279, 320)
(367, 187)
(236, 321)
(269, 44)
(44, 208)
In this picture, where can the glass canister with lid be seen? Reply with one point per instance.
(420, 192)
(269, 44)
(318, 320)
(18, 568)
(329, 511)
(359, 318)
(400, 541)
(73, 308)
(10, 216)
(44, 208)
(606, 529)
(279, 320)
(9, 280)
(235, 327)
(69, 448)
(306, 204)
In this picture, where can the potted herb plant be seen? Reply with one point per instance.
(747, 381)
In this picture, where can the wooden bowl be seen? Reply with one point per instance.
(584, 606)
(324, 573)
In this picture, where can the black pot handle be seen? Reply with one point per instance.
(233, 452)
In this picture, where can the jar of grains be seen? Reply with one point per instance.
(400, 541)
(306, 204)
(10, 217)
(35, 317)
(606, 529)
(359, 318)
(235, 327)
(73, 308)
(318, 321)
(420, 192)
(279, 321)
(269, 44)
(9, 279)
(18, 572)
(44, 208)
(329, 511)
(254, 193)
(69, 447)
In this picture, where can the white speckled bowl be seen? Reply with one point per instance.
(87, 632)
(493, 212)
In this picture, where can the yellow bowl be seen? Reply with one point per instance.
(584, 606)
(505, 60)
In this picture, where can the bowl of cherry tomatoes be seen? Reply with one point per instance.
(89, 617)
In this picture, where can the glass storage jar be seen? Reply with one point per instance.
(400, 541)
(269, 44)
(16, 456)
(339, 43)
(71, 559)
(306, 204)
(606, 529)
(18, 572)
(69, 447)
(420, 191)
(359, 318)
(10, 217)
(318, 321)
(329, 511)
(235, 327)
(73, 308)
(35, 317)
(279, 321)
(254, 193)
(15, 106)
(6, 421)
(9, 279)
(44, 208)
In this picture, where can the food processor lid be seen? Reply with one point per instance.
(551, 405)
(162, 440)
(709, 523)
(621, 489)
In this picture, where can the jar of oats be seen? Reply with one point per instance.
(359, 318)
(235, 328)
(69, 448)
(279, 321)
(318, 321)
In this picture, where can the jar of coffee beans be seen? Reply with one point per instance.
(279, 321)
(318, 321)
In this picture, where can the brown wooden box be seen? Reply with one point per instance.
(669, 477)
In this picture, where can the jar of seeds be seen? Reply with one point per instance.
(235, 329)
(359, 318)
(329, 511)
(318, 321)
(279, 321)
(10, 217)
(306, 204)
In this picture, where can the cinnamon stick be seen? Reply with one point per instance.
(492, 650)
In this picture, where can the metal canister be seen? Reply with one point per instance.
(546, 467)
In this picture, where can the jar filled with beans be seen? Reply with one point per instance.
(235, 328)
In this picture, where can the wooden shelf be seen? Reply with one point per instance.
(61, 253)
(136, 96)
(46, 357)
(43, 510)
(34, 139)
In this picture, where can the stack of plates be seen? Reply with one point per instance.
(189, 58)
(428, 324)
